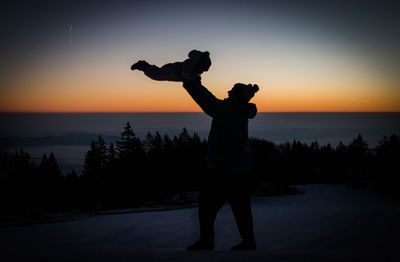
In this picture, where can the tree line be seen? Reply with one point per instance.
(133, 172)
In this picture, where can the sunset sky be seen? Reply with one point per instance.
(70, 56)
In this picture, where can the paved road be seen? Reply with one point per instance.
(327, 223)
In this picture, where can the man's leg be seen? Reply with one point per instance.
(239, 201)
(211, 199)
(210, 202)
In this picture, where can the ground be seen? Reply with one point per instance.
(326, 223)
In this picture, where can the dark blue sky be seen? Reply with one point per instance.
(375, 22)
(312, 35)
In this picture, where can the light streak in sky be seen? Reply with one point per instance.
(70, 33)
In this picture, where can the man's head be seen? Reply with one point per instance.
(242, 92)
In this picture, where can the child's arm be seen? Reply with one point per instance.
(204, 98)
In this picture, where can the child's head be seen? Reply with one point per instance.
(204, 63)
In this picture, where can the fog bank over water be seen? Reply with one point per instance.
(69, 135)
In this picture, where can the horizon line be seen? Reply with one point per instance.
(174, 112)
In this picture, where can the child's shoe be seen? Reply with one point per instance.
(140, 65)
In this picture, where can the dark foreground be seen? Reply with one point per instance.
(327, 223)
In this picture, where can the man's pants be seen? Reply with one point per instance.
(223, 186)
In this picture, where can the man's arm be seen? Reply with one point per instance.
(204, 98)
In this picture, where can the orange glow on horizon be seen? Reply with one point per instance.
(180, 101)
(52, 89)
(173, 98)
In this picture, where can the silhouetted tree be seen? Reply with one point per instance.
(136, 171)
(96, 160)
(359, 155)
(18, 175)
(386, 169)
(131, 169)
(111, 153)
(129, 145)
(148, 142)
(50, 184)
(73, 191)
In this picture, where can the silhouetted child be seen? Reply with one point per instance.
(190, 69)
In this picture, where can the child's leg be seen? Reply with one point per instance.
(155, 73)
(168, 72)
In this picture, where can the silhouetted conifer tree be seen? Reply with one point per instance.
(50, 183)
(148, 142)
(196, 138)
(386, 169)
(168, 144)
(358, 146)
(184, 136)
(96, 160)
(73, 190)
(157, 144)
(314, 146)
(129, 145)
(111, 153)
(133, 185)
(17, 177)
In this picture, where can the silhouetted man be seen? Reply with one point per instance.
(228, 156)
(229, 162)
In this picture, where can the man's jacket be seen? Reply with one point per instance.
(228, 141)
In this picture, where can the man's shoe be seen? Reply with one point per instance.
(140, 65)
(245, 245)
(201, 245)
